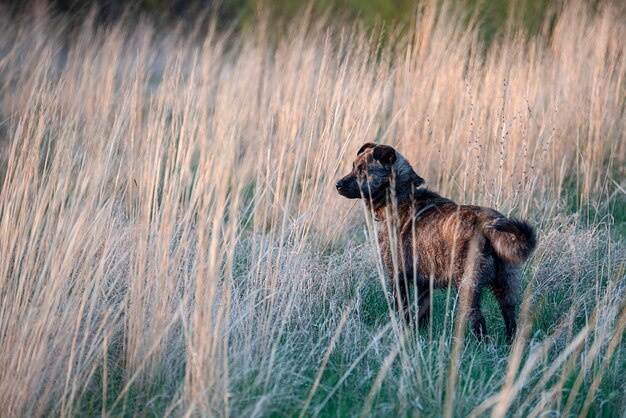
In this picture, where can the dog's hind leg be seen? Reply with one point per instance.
(475, 314)
(478, 272)
(507, 291)
(470, 295)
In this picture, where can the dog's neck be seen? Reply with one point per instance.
(400, 212)
(402, 207)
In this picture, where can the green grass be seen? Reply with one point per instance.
(482, 366)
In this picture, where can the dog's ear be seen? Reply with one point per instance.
(364, 147)
(385, 154)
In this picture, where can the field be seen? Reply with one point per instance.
(172, 243)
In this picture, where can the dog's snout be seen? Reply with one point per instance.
(346, 187)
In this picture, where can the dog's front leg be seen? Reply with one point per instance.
(423, 303)
(400, 293)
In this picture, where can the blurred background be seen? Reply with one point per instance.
(490, 16)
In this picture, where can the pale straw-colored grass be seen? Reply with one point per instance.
(171, 241)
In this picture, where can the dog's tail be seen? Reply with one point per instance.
(513, 240)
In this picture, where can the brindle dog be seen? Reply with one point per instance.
(431, 238)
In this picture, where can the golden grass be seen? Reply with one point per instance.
(171, 240)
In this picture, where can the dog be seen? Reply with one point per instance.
(430, 241)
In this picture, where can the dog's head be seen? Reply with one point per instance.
(375, 169)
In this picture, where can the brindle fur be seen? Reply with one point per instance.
(437, 240)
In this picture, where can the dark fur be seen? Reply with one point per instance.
(469, 246)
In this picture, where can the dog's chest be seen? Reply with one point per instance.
(396, 247)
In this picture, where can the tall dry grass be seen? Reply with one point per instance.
(171, 241)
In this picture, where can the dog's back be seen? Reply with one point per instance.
(440, 234)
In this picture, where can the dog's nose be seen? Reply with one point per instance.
(339, 185)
